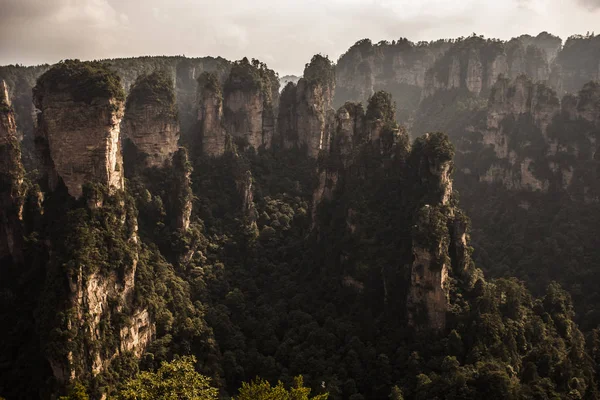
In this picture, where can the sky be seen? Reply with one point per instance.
(283, 33)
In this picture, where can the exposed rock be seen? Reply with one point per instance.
(428, 297)
(180, 201)
(135, 337)
(577, 63)
(11, 182)
(311, 113)
(399, 67)
(243, 184)
(79, 125)
(251, 99)
(210, 115)
(183, 71)
(151, 119)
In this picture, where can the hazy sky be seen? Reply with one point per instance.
(282, 33)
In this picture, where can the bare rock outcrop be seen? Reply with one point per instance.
(78, 125)
(11, 182)
(150, 121)
(306, 115)
(210, 115)
(250, 103)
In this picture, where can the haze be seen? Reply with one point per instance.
(282, 33)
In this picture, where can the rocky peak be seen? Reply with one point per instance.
(11, 181)
(432, 159)
(521, 96)
(150, 121)
(251, 100)
(210, 115)
(80, 110)
(349, 129)
(545, 41)
(312, 108)
(577, 63)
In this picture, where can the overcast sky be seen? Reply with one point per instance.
(282, 33)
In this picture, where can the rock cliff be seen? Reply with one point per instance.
(210, 115)
(250, 103)
(306, 115)
(80, 110)
(577, 63)
(11, 182)
(150, 121)
(93, 250)
(537, 141)
(181, 70)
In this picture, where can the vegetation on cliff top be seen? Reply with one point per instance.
(85, 81)
(320, 70)
(154, 89)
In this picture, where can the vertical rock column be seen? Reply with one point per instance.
(210, 115)
(251, 96)
(81, 107)
(11, 182)
(151, 122)
(427, 303)
(314, 105)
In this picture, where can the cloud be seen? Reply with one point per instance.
(285, 34)
(590, 4)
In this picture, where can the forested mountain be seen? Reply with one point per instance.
(186, 227)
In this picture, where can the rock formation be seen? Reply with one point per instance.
(251, 97)
(180, 193)
(80, 110)
(399, 67)
(306, 116)
(537, 142)
(11, 182)
(150, 121)
(210, 115)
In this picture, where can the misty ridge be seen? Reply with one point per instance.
(299, 215)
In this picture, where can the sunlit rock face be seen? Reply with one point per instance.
(11, 182)
(306, 114)
(151, 122)
(79, 124)
(250, 103)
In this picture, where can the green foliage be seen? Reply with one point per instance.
(85, 81)
(173, 380)
(209, 81)
(153, 89)
(76, 392)
(381, 107)
(259, 389)
(320, 70)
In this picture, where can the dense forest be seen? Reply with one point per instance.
(275, 248)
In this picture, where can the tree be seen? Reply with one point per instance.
(261, 389)
(175, 380)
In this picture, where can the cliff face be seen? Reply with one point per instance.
(151, 122)
(369, 153)
(538, 142)
(412, 72)
(576, 64)
(181, 70)
(306, 115)
(251, 97)
(428, 294)
(398, 67)
(11, 182)
(474, 64)
(80, 127)
(210, 115)
(81, 105)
